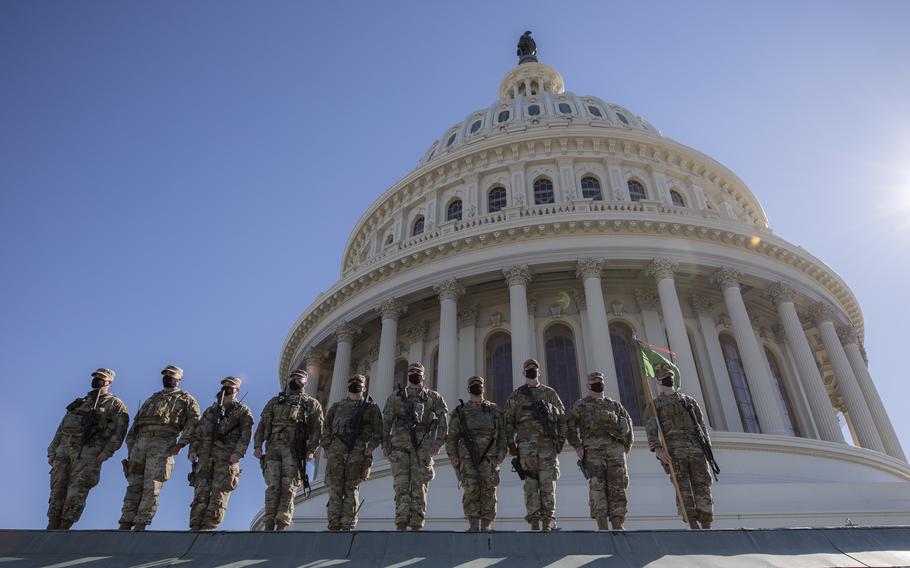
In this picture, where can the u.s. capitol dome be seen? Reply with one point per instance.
(558, 226)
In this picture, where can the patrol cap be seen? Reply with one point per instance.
(530, 363)
(232, 382)
(596, 376)
(173, 370)
(357, 379)
(415, 367)
(475, 380)
(299, 373)
(104, 373)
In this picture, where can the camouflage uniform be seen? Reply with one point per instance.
(535, 447)
(412, 467)
(76, 468)
(214, 476)
(485, 424)
(605, 430)
(347, 466)
(168, 418)
(689, 461)
(278, 427)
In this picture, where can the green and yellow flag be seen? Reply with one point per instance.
(653, 357)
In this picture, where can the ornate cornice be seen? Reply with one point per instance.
(315, 356)
(822, 312)
(726, 277)
(467, 316)
(847, 334)
(701, 304)
(647, 299)
(392, 308)
(661, 269)
(346, 331)
(589, 268)
(780, 293)
(518, 274)
(449, 289)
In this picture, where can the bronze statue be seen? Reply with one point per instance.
(527, 49)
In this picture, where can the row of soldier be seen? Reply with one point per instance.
(412, 428)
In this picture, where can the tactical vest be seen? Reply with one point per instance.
(230, 429)
(481, 419)
(77, 412)
(288, 411)
(167, 410)
(674, 418)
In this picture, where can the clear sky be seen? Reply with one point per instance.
(178, 179)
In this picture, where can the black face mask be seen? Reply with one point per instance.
(531, 373)
(415, 379)
(475, 389)
(225, 391)
(295, 386)
(355, 388)
(169, 382)
(98, 382)
(667, 382)
(596, 387)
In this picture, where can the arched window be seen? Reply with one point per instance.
(622, 118)
(562, 365)
(590, 188)
(401, 376)
(476, 126)
(595, 111)
(533, 110)
(451, 139)
(628, 374)
(785, 408)
(417, 229)
(503, 116)
(498, 367)
(677, 198)
(433, 380)
(453, 211)
(740, 385)
(543, 192)
(565, 108)
(636, 190)
(496, 199)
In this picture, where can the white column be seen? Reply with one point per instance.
(662, 270)
(860, 416)
(518, 277)
(582, 306)
(532, 329)
(764, 397)
(416, 335)
(781, 394)
(315, 359)
(892, 444)
(823, 413)
(344, 333)
(467, 337)
(589, 270)
(448, 379)
(390, 311)
(798, 401)
(649, 304)
(728, 409)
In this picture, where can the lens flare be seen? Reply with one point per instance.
(755, 241)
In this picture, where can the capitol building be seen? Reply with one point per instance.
(559, 226)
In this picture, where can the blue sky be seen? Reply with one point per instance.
(177, 179)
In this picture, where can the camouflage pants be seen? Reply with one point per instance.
(343, 473)
(216, 477)
(412, 473)
(282, 479)
(607, 483)
(72, 478)
(479, 499)
(149, 467)
(694, 479)
(540, 460)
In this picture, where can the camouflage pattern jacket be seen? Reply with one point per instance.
(485, 424)
(109, 428)
(281, 415)
(167, 413)
(340, 424)
(428, 411)
(521, 425)
(599, 422)
(675, 421)
(234, 430)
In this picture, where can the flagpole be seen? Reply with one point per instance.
(660, 433)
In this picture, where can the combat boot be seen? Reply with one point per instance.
(138, 527)
(268, 526)
(53, 523)
(401, 526)
(485, 525)
(473, 524)
(602, 524)
(65, 524)
(546, 525)
(617, 523)
(280, 526)
(694, 525)
(706, 525)
(535, 524)
(125, 527)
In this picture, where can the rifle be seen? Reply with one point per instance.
(410, 418)
(357, 428)
(540, 410)
(516, 467)
(470, 445)
(583, 464)
(90, 422)
(703, 440)
(300, 452)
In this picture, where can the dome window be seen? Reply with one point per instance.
(389, 239)
(595, 111)
(543, 192)
(451, 139)
(636, 191)
(503, 116)
(590, 188)
(622, 118)
(453, 211)
(476, 126)
(677, 198)
(496, 199)
(533, 110)
(565, 108)
(418, 226)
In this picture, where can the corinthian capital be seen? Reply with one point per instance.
(449, 289)
(346, 331)
(701, 304)
(315, 356)
(647, 299)
(589, 268)
(847, 334)
(726, 277)
(392, 309)
(822, 312)
(517, 274)
(780, 293)
(661, 268)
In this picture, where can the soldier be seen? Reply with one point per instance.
(605, 430)
(91, 431)
(681, 420)
(216, 448)
(290, 426)
(163, 426)
(536, 432)
(353, 430)
(476, 446)
(414, 427)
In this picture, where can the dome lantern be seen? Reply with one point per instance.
(530, 77)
